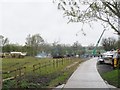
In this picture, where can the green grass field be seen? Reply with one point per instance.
(45, 72)
(112, 77)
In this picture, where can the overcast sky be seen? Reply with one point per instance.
(18, 18)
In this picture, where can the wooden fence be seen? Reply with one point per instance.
(21, 71)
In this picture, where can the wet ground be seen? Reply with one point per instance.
(103, 68)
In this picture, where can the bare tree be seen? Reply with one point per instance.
(109, 43)
(86, 11)
(3, 40)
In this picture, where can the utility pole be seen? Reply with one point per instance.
(94, 51)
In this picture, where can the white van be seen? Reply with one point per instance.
(108, 57)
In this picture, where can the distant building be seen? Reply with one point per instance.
(13, 55)
(18, 54)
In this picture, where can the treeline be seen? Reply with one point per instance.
(110, 43)
(35, 44)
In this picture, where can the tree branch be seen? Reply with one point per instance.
(112, 26)
(110, 8)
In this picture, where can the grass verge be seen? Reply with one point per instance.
(112, 77)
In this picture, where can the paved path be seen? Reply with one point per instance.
(86, 76)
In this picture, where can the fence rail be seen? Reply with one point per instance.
(19, 72)
(39, 67)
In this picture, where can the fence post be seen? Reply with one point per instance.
(20, 72)
(15, 73)
(33, 68)
(45, 66)
(57, 63)
(25, 71)
(50, 66)
(53, 63)
(40, 68)
(118, 65)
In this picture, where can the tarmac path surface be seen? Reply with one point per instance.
(86, 76)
